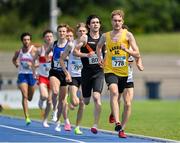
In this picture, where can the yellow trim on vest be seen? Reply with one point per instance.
(116, 60)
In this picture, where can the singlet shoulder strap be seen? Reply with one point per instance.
(124, 33)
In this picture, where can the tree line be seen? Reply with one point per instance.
(141, 16)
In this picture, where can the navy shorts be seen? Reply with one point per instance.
(26, 78)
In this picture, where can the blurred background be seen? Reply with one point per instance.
(154, 23)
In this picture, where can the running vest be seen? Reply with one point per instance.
(130, 69)
(92, 62)
(74, 63)
(116, 60)
(57, 51)
(24, 58)
(44, 66)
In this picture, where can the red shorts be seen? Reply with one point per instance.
(44, 80)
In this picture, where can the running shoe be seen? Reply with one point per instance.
(67, 127)
(122, 134)
(54, 116)
(28, 121)
(58, 127)
(94, 130)
(118, 127)
(111, 118)
(45, 124)
(77, 131)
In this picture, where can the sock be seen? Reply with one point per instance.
(67, 121)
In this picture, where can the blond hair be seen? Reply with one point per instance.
(81, 24)
(63, 25)
(117, 12)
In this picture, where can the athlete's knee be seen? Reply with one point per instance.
(55, 92)
(75, 102)
(127, 104)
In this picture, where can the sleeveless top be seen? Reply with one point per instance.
(44, 66)
(130, 69)
(116, 60)
(57, 51)
(92, 62)
(74, 63)
(24, 59)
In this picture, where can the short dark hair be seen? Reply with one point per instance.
(90, 17)
(25, 34)
(46, 31)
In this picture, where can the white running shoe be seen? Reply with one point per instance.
(54, 116)
(58, 127)
(45, 124)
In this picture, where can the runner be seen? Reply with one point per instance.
(57, 76)
(73, 73)
(127, 94)
(115, 64)
(92, 74)
(24, 60)
(43, 72)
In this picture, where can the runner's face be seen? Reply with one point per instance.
(62, 32)
(70, 36)
(48, 38)
(26, 41)
(81, 31)
(117, 22)
(94, 25)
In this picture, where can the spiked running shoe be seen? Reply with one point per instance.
(67, 127)
(111, 118)
(118, 127)
(94, 130)
(77, 131)
(122, 134)
(28, 121)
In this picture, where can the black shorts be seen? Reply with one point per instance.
(76, 81)
(120, 81)
(59, 75)
(92, 81)
(129, 85)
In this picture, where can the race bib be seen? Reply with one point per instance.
(24, 65)
(119, 61)
(93, 59)
(57, 64)
(76, 66)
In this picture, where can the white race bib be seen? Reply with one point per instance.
(119, 61)
(76, 66)
(57, 64)
(93, 59)
(24, 65)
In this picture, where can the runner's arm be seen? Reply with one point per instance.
(14, 59)
(135, 50)
(82, 42)
(99, 47)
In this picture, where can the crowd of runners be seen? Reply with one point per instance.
(72, 68)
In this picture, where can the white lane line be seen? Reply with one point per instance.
(42, 134)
